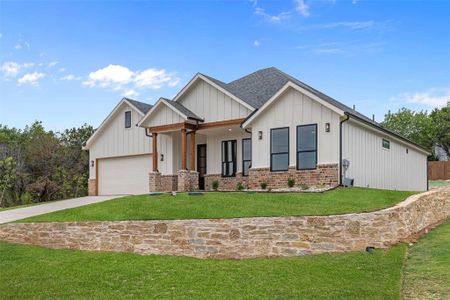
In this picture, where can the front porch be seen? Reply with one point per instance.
(187, 156)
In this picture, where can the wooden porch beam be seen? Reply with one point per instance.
(192, 144)
(220, 123)
(183, 149)
(171, 127)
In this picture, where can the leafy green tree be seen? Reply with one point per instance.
(416, 126)
(441, 121)
(7, 175)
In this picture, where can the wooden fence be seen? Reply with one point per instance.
(438, 170)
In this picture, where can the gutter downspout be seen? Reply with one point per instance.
(340, 147)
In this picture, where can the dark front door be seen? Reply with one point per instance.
(201, 165)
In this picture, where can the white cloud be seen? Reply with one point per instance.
(21, 44)
(61, 69)
(70, 77)
(153, 78)
(121, 78)
(302, 8)
(272, 18)
(257, 43)
(52, 64)
(30, 78)
(112, 74)
(350, 25)
(130, 93)
(354, 1)
(432, 98)
(12, 68)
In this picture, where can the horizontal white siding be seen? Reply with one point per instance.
(373, 166)
(116, 140)
(211, 104)
(163, 115)
(290, 110)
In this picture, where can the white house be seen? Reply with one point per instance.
(264, 127)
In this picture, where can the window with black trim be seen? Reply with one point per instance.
(307, 147)
(128, 119)
(386, 144)
(279, 149)
(246, 156)
(229, 158)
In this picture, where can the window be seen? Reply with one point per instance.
(128, 119)
(279, 149)
(229, 158)
(306, 147)
(246, 156)
(386, 144)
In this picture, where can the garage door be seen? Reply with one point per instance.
(124, 175)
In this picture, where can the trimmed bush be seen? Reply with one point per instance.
(215, 185)
(239, 186)
(263, 185)
(291, 182)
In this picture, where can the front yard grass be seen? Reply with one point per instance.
(30, 272)
(228, 205)
(427, 270)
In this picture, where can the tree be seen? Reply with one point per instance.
(441, 121)
(7, 175)
(416, 126)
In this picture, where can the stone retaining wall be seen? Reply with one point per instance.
(243, 237)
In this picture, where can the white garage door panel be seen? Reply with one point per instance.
(124, 175)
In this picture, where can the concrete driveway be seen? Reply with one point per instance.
(40, 209)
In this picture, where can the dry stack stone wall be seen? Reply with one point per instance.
(243, 237)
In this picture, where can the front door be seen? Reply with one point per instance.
(201, 165)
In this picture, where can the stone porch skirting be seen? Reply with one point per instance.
(241, 238)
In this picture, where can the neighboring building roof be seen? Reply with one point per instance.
(181, 108)
(143, 107)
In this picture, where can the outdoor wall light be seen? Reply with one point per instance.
(161, 157)
(259, 135)
(327, 127)
(92, 163)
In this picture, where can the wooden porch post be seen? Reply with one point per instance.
(192, 158)
(183, 149)
(155, 151)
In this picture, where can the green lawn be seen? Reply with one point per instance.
(427, 270)
(29, 272)
(231, 204)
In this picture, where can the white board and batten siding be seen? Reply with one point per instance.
(117, 141)
(163, 115)
(373, 166)
(293, 108)
(211, 104)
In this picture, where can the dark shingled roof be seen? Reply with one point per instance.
(258, 87)
(180, 107)
(143, 107)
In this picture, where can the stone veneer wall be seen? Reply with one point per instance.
(92, 187)
(225, 183)
(162, 183)
(187, 181)
(243, 237)
(323, 174)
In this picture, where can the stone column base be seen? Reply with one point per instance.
(187, 181)
(92, 187)
(154, 180)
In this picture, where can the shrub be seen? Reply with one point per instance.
(239, 186)
(215, 185)
(304, 186)
(291, 182)
(263, 185)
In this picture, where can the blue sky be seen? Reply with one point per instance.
(70, 62)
